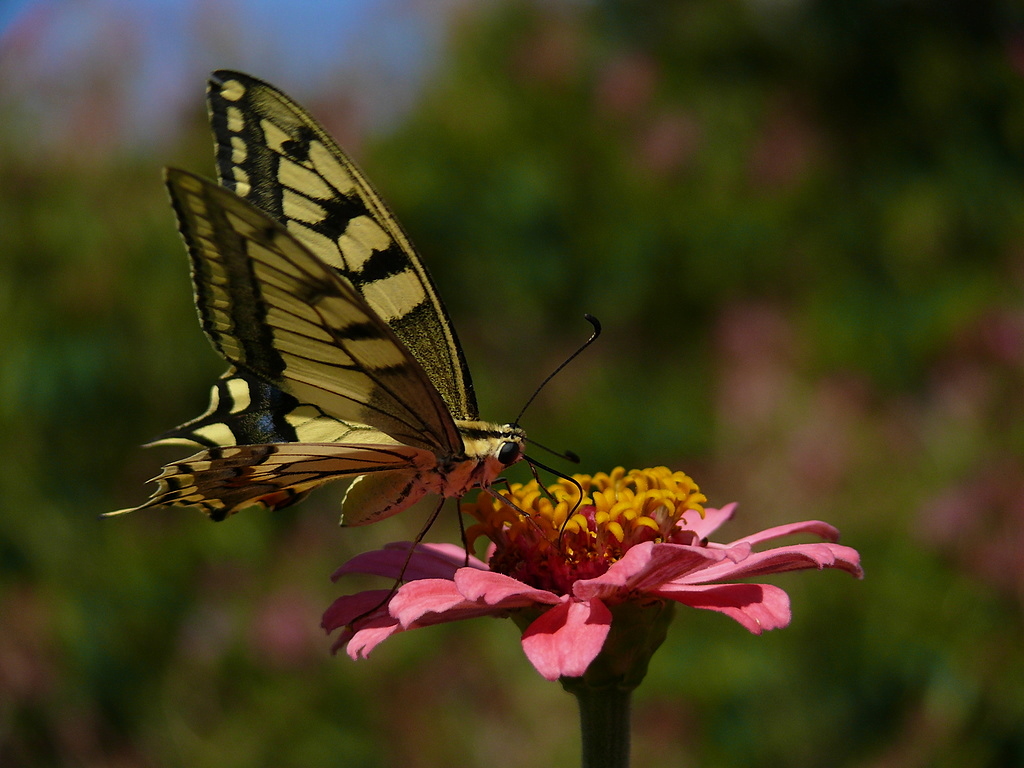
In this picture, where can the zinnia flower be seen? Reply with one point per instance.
(594, 591)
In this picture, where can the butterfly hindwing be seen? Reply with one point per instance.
(245, 410)
(222, 481)
(271, 152)
(273, 309)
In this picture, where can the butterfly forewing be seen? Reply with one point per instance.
(273, 309)
(272, 153)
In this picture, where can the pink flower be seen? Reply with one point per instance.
(637, 539)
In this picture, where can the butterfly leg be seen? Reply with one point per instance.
(401, 574)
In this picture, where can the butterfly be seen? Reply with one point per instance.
(344, 362)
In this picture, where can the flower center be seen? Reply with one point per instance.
(549, 538)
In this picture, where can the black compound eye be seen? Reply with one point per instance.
(509, 453)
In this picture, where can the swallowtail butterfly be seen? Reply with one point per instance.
(344, 362)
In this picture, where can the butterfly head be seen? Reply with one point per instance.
(494, 446)
(511, 451)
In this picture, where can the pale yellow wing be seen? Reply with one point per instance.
(271, 152)
(273, 309)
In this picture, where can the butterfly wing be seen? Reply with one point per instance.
(344, 341)
(273, 154)
(275, 311)
(222, 481)
(245, 410)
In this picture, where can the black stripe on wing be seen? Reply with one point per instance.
(243, 410)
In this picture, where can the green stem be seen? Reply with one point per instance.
(604, 724)
(604, 690)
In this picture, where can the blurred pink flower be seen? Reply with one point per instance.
(638, 538)
(626, 84)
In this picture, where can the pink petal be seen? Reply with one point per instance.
(564, 640)
(366, 639)
(373, 624)
(433, 601)
(646, 566)
(758, 607)
(780, 560)
(348, 608)
(472, 593)
(737, 553)
(429, 561)
(498, 589)
(816, 527)
(704, 526)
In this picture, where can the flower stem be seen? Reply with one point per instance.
(604, 723)
(604, 690)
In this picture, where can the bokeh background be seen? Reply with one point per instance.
(802, 225)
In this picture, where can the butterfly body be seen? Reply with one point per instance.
(391, 476)
(343, 360)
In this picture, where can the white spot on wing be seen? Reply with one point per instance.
(236, 121)
(238, 390)
(238, 150)
(241, 181)
(232, 90)
(217, 433)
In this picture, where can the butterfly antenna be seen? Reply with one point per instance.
(593, 337)
(526, 516)
(534, 464)
(507, 501)
(567, 455)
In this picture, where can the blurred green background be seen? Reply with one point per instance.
(802, 225)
